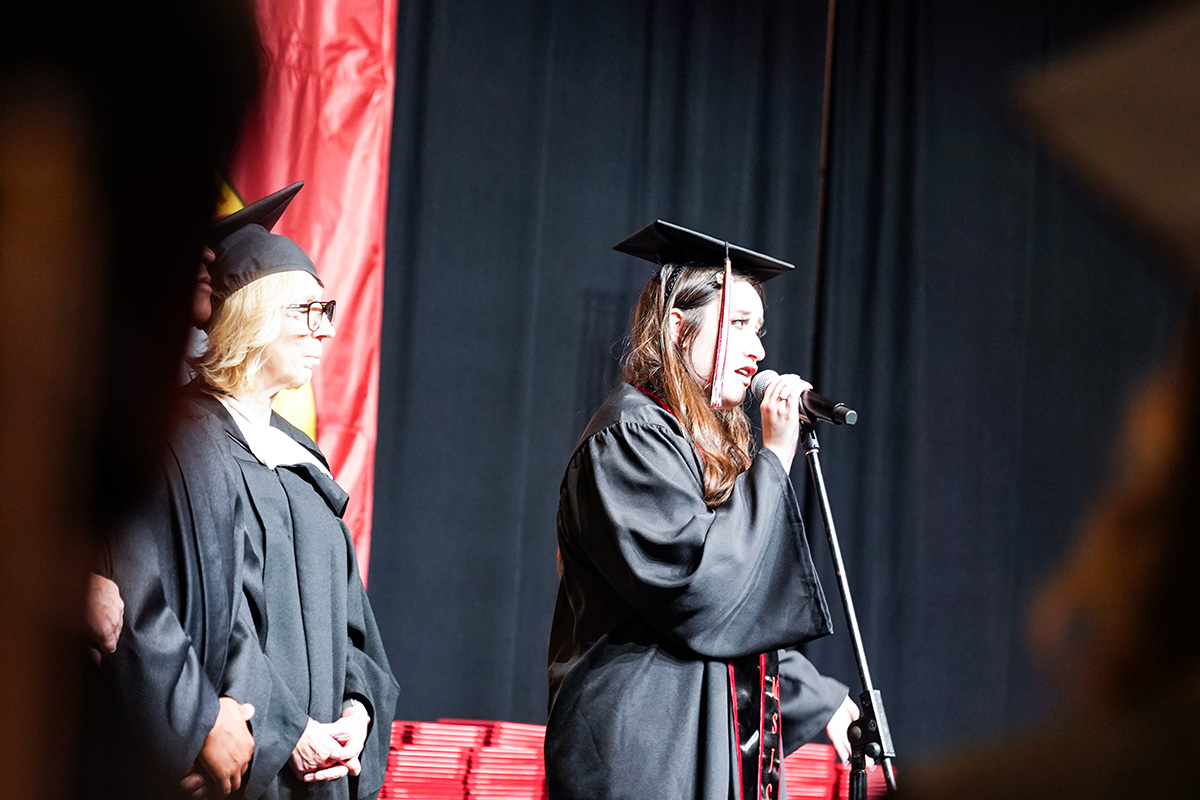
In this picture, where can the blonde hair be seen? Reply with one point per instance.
(657, 364)
(240, 329)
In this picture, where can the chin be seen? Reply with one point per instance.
(201, 311)
(300, 380)
(729, 402)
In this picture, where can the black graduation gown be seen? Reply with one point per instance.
(188, 637)
(314, 621)
(658, 593)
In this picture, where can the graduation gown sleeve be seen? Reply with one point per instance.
(164, 691)
(723, 582)
(279, 723)
(807, 699)
(279, 717)
(369, 679)
(186, 640)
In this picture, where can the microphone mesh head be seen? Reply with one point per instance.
(760, 381)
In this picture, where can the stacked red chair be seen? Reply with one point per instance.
(469, 759)
(517, 734)
(811, 772)
(465, 760)
(428, 763)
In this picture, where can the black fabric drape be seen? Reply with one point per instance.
(987, 319)
(980, 312)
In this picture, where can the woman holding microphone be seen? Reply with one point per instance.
(686, 575)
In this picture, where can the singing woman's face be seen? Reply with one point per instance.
(744, 348)
(296, 352)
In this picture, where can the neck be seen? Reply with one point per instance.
(257, 404)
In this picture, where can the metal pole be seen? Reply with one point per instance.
(869, 734)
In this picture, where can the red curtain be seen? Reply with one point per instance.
(326, 118)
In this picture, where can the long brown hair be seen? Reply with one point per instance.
(657, 364)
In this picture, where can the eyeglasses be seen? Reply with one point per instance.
(314, 311)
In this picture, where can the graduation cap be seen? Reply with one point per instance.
(265, 212)
(1125, 113)
(251, 252)
(666, 243)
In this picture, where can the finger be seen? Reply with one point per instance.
(775, 400)
(795, 392)
(343, 753)
(354, 766)
(788, 380)
(247, 711)
(787, 407)
(110, 640)
(191, 782)
(778, 387)
(327, 774)
(788, 388)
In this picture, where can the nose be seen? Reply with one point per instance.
(325, 330)
(755, 349)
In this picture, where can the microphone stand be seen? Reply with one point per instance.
(869, 734)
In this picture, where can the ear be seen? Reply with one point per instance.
(674, 324)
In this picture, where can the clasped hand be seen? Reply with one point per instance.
(330, 750)
(104, 615)
(225, 755)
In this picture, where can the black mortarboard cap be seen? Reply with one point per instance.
(250, 253)
(667, 243)
(265, 212)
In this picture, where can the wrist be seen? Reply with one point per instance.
(783, 455)
(353, 707)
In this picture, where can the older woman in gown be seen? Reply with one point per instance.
(323, 717)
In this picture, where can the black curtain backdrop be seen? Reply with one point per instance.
(985, 317)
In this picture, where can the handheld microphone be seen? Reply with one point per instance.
(816, 406)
